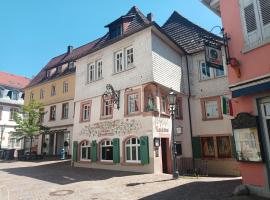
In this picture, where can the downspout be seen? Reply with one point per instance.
(189, 111)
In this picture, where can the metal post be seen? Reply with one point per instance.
(174, 152)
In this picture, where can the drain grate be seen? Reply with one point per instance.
(61, 193)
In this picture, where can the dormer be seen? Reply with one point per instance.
(119, 26)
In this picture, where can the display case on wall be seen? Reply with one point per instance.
(247, 138)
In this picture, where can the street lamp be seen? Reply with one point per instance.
(3, 127)
(172, 102)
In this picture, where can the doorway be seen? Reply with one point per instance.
(165, 152)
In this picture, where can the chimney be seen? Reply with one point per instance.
(150, 17)
(69, 49)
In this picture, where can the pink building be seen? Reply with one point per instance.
(247, 23)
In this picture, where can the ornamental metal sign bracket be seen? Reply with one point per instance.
(113, 94)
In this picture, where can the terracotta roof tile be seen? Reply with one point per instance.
(13, 81)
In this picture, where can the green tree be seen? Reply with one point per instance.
(28, 121)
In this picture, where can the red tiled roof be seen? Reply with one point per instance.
(138, 23)
(13, 80)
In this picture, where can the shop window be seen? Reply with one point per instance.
(85, 149)
(132, 150)
(224, 147)
(106, 150)
(211, 108)
(208, 147)
(52, 113)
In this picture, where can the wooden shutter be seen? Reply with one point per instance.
(94, 151)
(234, 154)
(251, 23)
(264, 13)
(196, 144)
(144, 150)
(75, 151)
(116, 150)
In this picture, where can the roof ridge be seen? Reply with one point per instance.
(14, 75)
(177, 14)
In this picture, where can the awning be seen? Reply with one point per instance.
(250, 87)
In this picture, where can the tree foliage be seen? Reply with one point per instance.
(29, 120)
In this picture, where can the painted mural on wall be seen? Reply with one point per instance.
(111, 128)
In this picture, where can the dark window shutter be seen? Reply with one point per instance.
(94, 151)
(265, 11)
(234, 154)
(116, 150)
(144, 148)
(75, 151)
(9, 94)
(250, 18)
(196, 144)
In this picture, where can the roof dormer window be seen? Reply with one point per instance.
(48, 74)
(59, 69)
(115, 31)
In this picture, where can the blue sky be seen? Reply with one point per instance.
(34, 31)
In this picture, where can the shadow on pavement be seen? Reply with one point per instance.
(221, 190)
(62, 173)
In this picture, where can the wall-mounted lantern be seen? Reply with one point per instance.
(113, 94)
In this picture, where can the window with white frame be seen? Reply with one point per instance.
(12, 113)
(164, 104)
(107, 108)
(85, 151)
(31, 95)
(85, 112)
(133, 103)
(65, 110)
(90, 72)
(132, 150)
(212, 110)
(65, 87)
(99, 69)
(106, 150)
(41, 94)
(119, 61)
(15, 95)
(52, 113)
(255, 17)
(129, 57)
(53, 90)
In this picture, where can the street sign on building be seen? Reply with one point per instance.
(213, 55)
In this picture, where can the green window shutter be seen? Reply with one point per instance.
(116, 150)
(75, 151)
(196, 144)
(94, 151)
(234, 154)
(144, 150)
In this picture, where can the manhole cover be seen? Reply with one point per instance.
(61, 193)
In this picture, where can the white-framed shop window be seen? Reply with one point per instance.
(85, 151)
(132, 150)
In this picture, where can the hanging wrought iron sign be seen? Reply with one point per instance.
(213, 55)
(113, 94)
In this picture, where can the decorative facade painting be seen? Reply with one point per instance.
(111, 128)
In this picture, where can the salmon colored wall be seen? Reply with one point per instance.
(243, 104)
(252, 173)
(253, 63)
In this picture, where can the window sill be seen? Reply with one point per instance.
(211, 79)
(82, 121)
(212, 119)
(106, 117)
(89, 82)
(106, 162)
(248, 49)
(84, 161)
(115, 73)
(131, 163)
(132, 114)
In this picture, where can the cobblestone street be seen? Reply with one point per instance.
(57, 180)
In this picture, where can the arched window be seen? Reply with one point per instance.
(106, 150)
(132, 150)
(85, 151)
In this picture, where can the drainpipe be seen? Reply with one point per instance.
(189, 112)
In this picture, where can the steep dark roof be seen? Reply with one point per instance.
(139, 22)
(187, 34)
